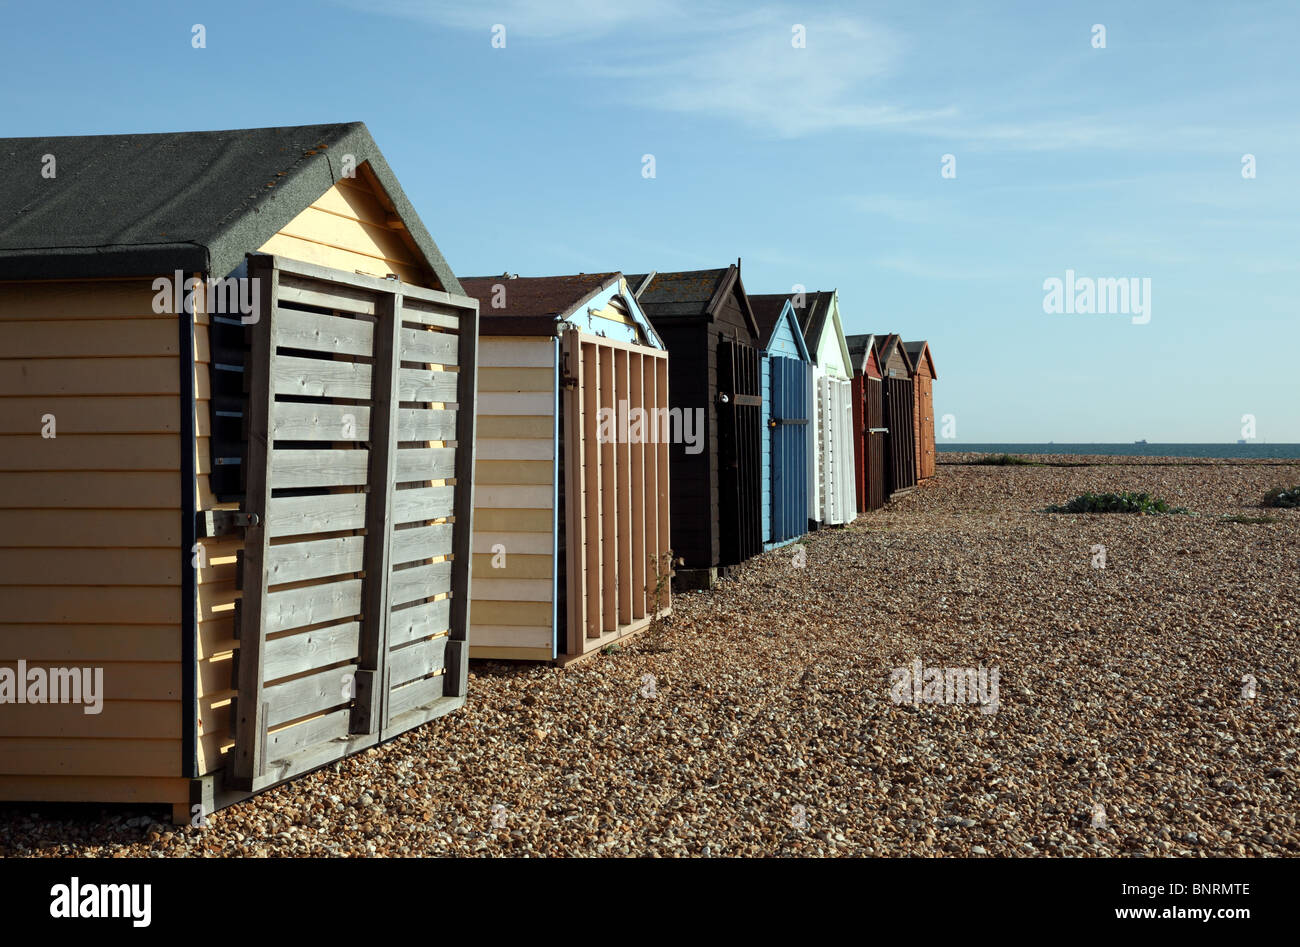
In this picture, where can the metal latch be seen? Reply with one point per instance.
(213, 523)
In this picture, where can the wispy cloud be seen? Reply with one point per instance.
(753, 72)
(550, 20)
(706, 60)
(723, 61)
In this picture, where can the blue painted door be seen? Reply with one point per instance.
(789, 433)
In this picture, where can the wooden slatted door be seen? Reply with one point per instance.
(789, 435)
(616, 437)
(925, 404)
(355, 575)
(836, 445)
(901, 465)
(740, 425)
(875, 442)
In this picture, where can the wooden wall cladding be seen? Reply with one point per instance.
(740, 429)
(789, 439)
(616, 489)
(869, 441)
(900, 467)
(352, 625)
(837, 483)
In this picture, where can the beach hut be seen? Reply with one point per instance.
(899, 414)
(786, 391)
(571, 496)
(831, 480)
(868, 423)
(236, 441)
(704, 318)
(918, 353)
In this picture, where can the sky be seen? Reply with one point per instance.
(938, 164)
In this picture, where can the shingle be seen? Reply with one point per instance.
(142, 204)
(812, 317)
(540, 297)
(767, 309)
(681, 294)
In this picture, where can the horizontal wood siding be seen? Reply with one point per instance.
(514, 517)
(90, 558)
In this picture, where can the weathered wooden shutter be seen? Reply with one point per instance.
(353, 621)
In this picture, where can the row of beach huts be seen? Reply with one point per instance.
(271, 474)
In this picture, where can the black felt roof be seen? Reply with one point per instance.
(858, 350)
(139, 205)
(914, 352)
(767, 313)
(686, 293)
(812, 317)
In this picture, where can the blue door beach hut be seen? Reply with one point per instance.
(786, 390)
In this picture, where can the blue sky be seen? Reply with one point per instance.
(818, 166)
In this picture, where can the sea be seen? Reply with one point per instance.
(1251, 451)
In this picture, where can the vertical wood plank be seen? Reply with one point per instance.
(463, 500)
(248, 759)
(591, 497)
(371, 696)
(608, 497)
(655, 432)
(661, 450)
(636, 496)
(575, 490)
(623, 486)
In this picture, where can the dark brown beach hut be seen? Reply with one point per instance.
(705, 320)
(918, 353)
(899, 414)
(868, 422)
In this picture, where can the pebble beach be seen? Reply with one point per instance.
(1148, 705)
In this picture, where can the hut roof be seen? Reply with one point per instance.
(859, 346)
(199, 201)
(692, 294)
(812, 317)
(767, 313)
(918, 350)
(544, 298)
(768, 308)
(533, 304)
(886, 343)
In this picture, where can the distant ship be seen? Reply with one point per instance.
(1241, 440)
(1139, 442)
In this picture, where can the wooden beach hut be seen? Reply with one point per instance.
(236, 443)
(899, 414)
(571, 504)
(831, 480)
(786, 392)
(918, 353)
(705, 320)
(868, 423)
